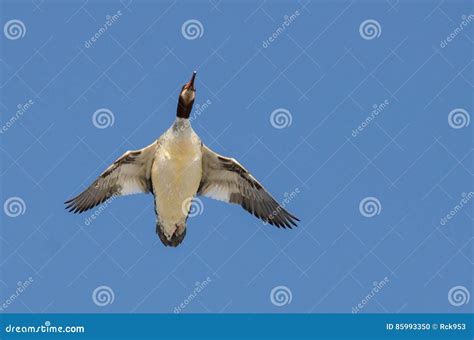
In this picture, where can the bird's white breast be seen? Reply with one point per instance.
(176, 175)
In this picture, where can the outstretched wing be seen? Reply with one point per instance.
(227, 180)
(130, 174)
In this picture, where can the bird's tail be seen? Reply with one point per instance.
(175, 239)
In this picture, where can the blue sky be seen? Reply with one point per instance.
(354, 112)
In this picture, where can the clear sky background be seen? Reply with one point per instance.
(371, 200)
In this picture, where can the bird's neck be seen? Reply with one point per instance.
(184, 108)
(181, 125)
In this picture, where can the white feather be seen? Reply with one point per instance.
(218, 193)
(130, 187)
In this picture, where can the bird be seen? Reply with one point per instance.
(175, 168)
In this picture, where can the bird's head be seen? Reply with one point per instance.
(186, 98)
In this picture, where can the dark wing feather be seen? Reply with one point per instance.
(227, 180)
(130, 174)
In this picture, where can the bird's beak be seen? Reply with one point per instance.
(190, 84)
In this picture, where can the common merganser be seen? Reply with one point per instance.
(175, 168)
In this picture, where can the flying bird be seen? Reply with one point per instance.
(175, 168)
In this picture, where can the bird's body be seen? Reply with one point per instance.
(176, 174)
(175, 168)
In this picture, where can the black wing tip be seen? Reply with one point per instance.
(71, 200)
(294, 220)
(73, 207)
(282, 219)
(290, 216)
(77, 205)
(284, 222)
